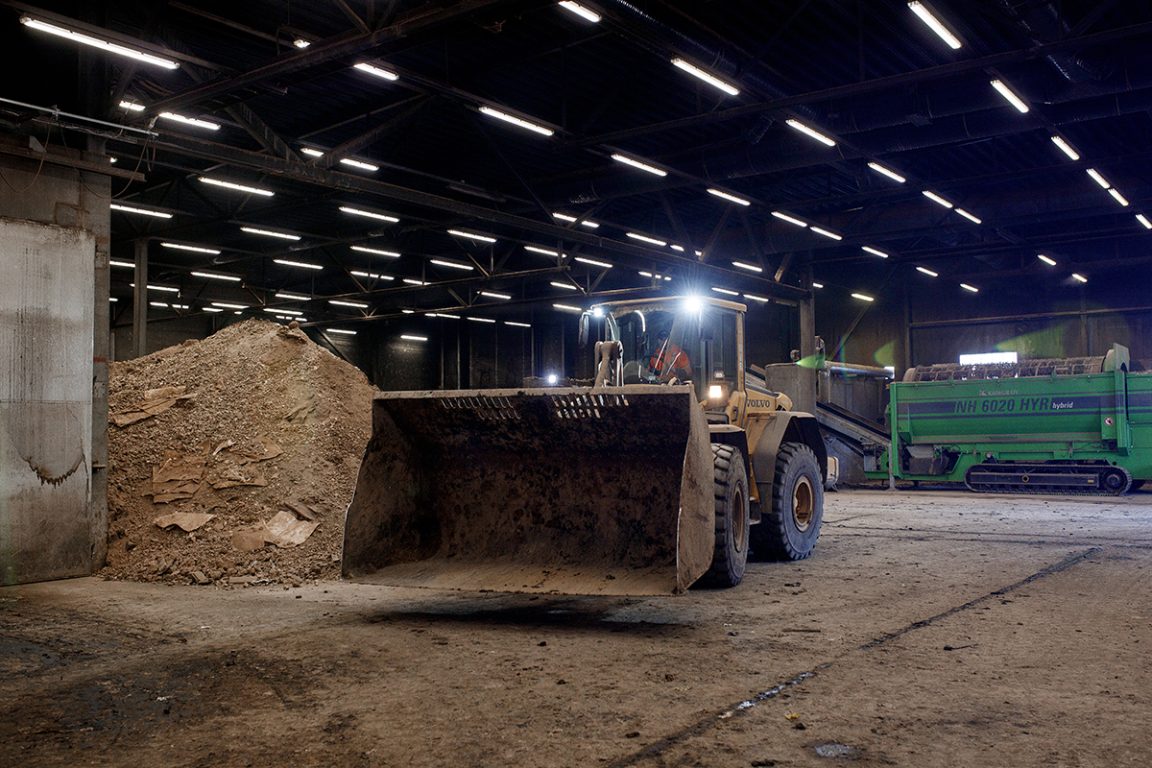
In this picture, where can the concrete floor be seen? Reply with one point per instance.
(930, 629)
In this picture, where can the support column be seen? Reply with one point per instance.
(140, 301)
(805, 397)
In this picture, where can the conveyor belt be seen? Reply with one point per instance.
(851, 426)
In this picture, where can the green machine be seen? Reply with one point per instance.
(1073, 425)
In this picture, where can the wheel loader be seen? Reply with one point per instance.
(666, 472)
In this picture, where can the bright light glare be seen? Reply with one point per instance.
(827, 141)
(706, 76)
(95, 42)
(638, 164)
(934, 24)
(984, 358)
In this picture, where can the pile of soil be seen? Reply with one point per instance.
(253, 425)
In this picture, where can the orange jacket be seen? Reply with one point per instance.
(669, 358)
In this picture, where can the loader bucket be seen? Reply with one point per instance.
(555, 490)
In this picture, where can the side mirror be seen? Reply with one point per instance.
(583, 336)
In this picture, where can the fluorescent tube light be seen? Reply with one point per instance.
(972, 218)
(301, 264)
(563, 286)
(301, 43)
(217, 276)
(1065, 147)
(646, 239)
(95, 42)
(270, 233)
(656, 276)
(885, 171)
(971, 288)
(567, 308)
(237, 187)
(572, 219)
(377, 71)
(873, 251)
(754, 297)
(117, 263)
(936, 198)
(370, 275)
(342, 331)
(161, 288)
(934, 24)
(131, 106)
(725, 291)
(369, 214)
(414, 281)
(817, 285)
(480, 319)
(515, 324)
(274, 311)
(638, 164)
(728, 196)
(593, 262)
(863, 297)
(293, 296)
(343, 303)
(926, 271)
(228, 305)
(789, 219)
(1118, 197)
(811, 132)
(706, 76)
(472, 236)
(192, 248)
(676, 247)
(413, 337)
(141, 211)
(451, 264)
(1079, 277)
(495, 295)
(564, 217)
(375, 251)
(311, 152)
(1096, 177)
(747, 266)
(826, 233)
(1144, 221)
(590, 224)
(585, 13)
(359, 164)
(520, 122)
(544, 251)
(213, 309)
(1010, 96)
(195, 122)
(1046, 259)
(443, 315)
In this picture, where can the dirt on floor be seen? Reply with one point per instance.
(233, 458)
(929, 629)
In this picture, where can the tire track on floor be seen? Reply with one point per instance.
(718, 717)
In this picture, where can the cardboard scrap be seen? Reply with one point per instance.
(156, 401)
(284, 530)
(230, 477)
(178, 477)
(185, 521)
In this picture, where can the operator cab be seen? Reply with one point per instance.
(680, 341)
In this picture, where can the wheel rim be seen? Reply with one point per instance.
(803, 503)
(739, 523)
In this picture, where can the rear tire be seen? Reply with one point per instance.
(790, 529)
(730, 483)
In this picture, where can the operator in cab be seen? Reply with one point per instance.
(668, 360)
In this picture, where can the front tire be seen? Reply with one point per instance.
(730, 484)
(790, 529)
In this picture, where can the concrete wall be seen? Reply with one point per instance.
(164, 330)
(53, 371)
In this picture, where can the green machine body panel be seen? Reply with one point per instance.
(1034, 427)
